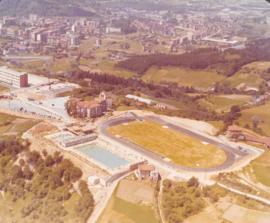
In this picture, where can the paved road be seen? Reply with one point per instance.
(14, 57)
(231, 152)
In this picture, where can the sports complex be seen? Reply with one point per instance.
(172, 145)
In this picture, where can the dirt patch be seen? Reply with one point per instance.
(209, 215)
(42, 128)
(135, 192)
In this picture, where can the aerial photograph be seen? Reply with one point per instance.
(134, 111)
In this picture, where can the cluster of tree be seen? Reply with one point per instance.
(184, 199)
(226, 88)
(41, 183)
(122, 86)
(181, 200)
(230, 117)
(214, 193)
(226, 62)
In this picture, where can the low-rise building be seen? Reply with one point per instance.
(147, 172)
(237, 133)
(13, 78)
(140, 99)
(113, 30)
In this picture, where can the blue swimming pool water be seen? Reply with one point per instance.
(103, 156)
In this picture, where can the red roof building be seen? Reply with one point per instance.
(87, 109)
(237, 133)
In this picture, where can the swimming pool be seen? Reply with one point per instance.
(103, 156)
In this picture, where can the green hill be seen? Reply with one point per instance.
(46, 7)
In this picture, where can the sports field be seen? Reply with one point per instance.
(178, 147)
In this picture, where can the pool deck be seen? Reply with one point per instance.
(119, 152)
(104, 146)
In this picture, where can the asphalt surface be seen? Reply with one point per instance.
(231, 152)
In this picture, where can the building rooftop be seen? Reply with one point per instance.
(6, 70)
(146, 167)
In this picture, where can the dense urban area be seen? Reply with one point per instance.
(134, 111)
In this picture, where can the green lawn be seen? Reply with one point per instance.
(182, 76)
(178, 147)
(263, 112)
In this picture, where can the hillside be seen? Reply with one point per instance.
(253, 74)
(226, 62)
(46, 7)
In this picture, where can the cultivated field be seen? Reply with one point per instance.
(236, 213)
(182, 76)
(132, 202)
(178, 147)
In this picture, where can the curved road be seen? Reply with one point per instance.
(231, 152)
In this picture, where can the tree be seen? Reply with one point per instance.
(193, 182)
(16, 172)
(49, 161)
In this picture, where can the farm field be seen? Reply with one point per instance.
(132, 202)
(232, 208)
(223, 103)
(262, 112)
(182, 76)
(250, 74)
(179, 148)
(236, 213)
